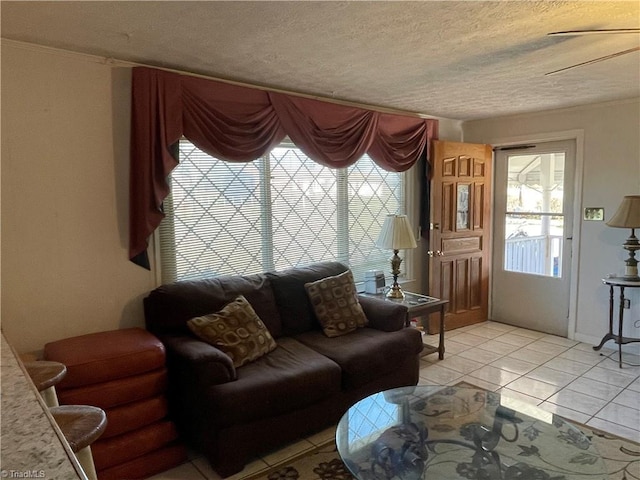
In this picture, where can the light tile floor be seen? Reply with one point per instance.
(557, 374)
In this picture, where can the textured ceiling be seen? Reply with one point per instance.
(459, 60)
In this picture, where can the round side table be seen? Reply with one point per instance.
(621, 283)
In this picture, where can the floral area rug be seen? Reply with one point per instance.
(322, 463)
(621, 462)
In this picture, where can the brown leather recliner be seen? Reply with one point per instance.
(304, 385)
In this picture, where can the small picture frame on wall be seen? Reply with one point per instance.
(594, 214)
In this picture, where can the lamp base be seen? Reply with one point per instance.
(630, 278)
(395, 292)
(631, 272)
(631, 264)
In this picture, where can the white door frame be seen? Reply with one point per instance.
(578, 136)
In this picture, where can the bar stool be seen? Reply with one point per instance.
(81, 425)
(45, 375)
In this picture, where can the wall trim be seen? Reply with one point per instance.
(114, 62)
(34, 47)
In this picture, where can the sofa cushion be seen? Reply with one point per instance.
(134, 415)
(168, 308)
(291, 377)
(104, 356)
(296, 312)
(117, 392)
(365, 354)
(122, 448)
(236, 330)
(156, 461)
(335, 302)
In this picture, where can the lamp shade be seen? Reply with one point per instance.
(396, 233)
(628, 213)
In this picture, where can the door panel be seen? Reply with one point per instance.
(532, 243)
(447, 217)
(459, 239)
(478, 212)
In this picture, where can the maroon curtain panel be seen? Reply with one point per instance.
(240, 124)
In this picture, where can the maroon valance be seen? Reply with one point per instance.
(240, 124)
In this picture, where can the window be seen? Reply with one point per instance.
(534, 219)
(279, 211)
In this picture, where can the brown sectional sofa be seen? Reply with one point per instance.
(306, 384)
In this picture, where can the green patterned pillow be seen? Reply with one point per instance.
(335, 303)
(236, 330)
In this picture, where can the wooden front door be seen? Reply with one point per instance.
(459, 240)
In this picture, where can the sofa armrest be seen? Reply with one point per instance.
(190, 357)
(383, 315)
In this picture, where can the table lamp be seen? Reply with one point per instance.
(396, 235)
(628, 216)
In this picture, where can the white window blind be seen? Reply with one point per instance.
(279, 211)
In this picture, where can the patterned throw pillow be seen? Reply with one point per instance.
(236, 330)
(335, 303)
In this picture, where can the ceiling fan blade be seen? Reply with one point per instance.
(595, 60)
(568, 33)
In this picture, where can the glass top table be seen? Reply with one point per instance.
(461, 432)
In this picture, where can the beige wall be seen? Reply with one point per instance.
(610, 169)
(65, 134)
(65, 141)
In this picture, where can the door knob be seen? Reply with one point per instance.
(430, 253)
(437, 253)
